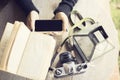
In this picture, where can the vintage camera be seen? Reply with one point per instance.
(69, 65)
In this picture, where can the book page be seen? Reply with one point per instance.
(5, 38)
(18, 47)
(9, 43)
(37, 56)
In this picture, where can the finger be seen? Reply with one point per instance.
(29, 23)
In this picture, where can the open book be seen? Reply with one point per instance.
(24, 52)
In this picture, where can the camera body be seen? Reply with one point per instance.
(69, 65)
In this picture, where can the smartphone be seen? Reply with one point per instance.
(48, 25)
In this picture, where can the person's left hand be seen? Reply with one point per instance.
(32, 16)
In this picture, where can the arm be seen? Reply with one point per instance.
(31, 12)
(63, 10)
(27, 6)
(65, 6)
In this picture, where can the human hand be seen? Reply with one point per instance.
(32, 16)
(62, 16)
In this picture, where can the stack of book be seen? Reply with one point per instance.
(26, 53)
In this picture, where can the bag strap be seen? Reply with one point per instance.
(81, 21)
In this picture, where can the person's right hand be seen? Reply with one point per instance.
(32, 16)
(62, 16)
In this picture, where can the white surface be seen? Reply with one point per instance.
(98, 10)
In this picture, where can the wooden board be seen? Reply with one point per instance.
(96, 9)
(9, 76)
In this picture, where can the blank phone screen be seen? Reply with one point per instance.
(48, 25)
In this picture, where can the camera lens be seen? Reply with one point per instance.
(66, 57)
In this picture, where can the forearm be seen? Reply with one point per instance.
(65, 6)
(27, 6)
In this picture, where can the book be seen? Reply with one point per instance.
(26, 53)
(4, 41)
